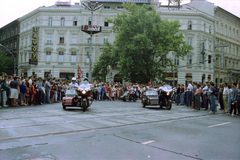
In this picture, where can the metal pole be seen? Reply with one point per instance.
(173, 77)
(90, 54)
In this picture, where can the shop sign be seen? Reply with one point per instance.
(33, 60)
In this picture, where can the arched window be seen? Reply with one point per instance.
(62, 21)
(75, 21)
(50, 21)
(105, 22)
(89, 21)
(189, 25)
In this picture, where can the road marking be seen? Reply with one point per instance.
(148, 142)
(219, 124)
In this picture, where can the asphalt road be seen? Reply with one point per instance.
(114, 130)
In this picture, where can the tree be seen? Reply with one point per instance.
(6, 64)
(143, 42)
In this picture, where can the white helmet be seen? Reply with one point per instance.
(74, 79)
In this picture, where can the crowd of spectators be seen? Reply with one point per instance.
(208, 96)
(33, 90)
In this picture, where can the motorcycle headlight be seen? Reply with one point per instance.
(84, 92)
(168, 93)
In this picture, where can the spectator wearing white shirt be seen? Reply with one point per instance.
(225, 97)
(189, 94)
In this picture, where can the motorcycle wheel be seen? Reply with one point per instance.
(143, 105)
(134, 99)
(168, 105)
(64, 107)
(84, 106)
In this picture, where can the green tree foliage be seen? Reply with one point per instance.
(6, 64)
(143, 42)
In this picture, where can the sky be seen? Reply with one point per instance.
(10, 10)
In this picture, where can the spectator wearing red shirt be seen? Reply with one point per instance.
(33, 91)
(197, 95)
(182, 94)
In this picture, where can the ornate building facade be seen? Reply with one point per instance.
(61, 46)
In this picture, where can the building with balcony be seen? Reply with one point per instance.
(9, 38)
(227, 26)
(61, 46)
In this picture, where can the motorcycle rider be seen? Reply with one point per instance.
(85, 85)
(73, 84)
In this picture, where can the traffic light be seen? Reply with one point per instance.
(209, 58)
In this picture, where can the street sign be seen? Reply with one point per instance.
(94, 29)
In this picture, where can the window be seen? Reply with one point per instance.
(74, 38)
(105, 22)
(189, 25)
(221, 29)
(189, 60)
(210, 45)
(229, 32)
(15, 44)
(50, 21)
(225, 64)
(61, 38)
(74, 21)
(229, 65)
(89, 21)
(25, 41)
(89, 40)
(106, 7)
(176, 60)
(189, 41)
(205, 44)
(49, 38)
(87, 60)
(204, 27)
(237, 35)
(233, 49)
(48, 56)
(210, 29)
(233, 33)
(230, 49)
(225, 30)
(120, 8)
(60, 57)
(73, 57)
(62, 21)
(105, 40)
(237, 51)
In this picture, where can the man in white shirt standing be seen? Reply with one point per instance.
(205, 96)
(225, 97)
(189, 94)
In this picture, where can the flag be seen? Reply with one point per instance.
(79, 73)
(149, 83)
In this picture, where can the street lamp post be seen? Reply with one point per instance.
(91, 8)
(14, 65)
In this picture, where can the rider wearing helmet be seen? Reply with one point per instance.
(73, 84)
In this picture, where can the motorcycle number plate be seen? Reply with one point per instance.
(79, 96)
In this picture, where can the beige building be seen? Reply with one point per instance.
(62, 46)
(227, 25)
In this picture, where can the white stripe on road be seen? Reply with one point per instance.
(219, 124)
(148, 142)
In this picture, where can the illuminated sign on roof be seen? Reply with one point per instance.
(59, 3)
(121, 1)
